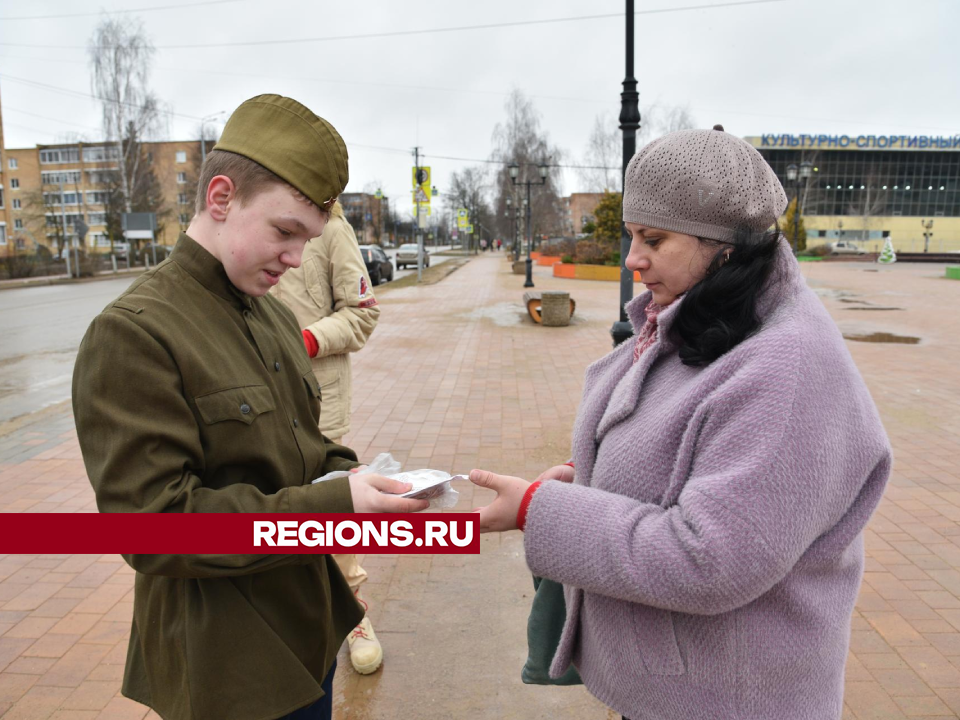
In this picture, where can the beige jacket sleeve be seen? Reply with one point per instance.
(336, 277)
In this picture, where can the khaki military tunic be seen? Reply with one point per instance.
(190, 396)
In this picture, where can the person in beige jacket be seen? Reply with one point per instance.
(332, 298)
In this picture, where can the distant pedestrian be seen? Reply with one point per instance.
(708, 532)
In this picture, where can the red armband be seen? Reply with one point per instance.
(525, 504)
(313, 347)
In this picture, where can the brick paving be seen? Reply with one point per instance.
(455, 378)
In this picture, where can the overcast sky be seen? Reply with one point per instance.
(797, 66)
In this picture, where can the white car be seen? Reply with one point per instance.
(407, 255)
(845, 247)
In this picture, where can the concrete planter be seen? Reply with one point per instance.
(519, 267)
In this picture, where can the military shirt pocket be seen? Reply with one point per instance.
(310, 380)
(243, 404)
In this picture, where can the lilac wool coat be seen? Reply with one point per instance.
(711, 546)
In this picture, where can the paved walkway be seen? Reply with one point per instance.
(455, 377)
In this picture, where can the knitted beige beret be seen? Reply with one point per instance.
(705, 183)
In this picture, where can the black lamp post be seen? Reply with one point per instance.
(795, 175)
(629, 122)
(514, 173)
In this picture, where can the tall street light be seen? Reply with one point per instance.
(629, 123)
(203, 140)
(798, 176)
(514, 173)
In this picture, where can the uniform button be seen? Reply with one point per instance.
(276, 366)
(245, 408)
(295, 423)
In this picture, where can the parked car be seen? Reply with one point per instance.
(845, 247)
(407, 255)
(378, 264)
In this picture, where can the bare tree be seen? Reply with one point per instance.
(469, 189)
(120, 58)
(601, 163)
(600, 169)
(870, 202)
(521, 140)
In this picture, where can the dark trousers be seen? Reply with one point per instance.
(322, 709)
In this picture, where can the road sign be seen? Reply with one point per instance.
(369, 217)
(463, 218)
(469, 229)
(421, 184)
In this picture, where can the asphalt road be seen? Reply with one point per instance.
(434, 260)
(40, 330)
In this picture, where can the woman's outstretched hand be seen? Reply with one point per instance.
(501, 514)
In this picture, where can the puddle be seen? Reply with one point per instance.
(873, 307)
(839, 294)
(505, 314)
(882, 337)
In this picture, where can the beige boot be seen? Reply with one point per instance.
(366, 655)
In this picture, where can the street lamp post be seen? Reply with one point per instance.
(203, 140)
(795, 175)
(514, 173)
(629, 123)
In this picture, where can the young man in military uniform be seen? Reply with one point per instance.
(192, 392)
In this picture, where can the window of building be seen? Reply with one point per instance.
(99, 240)
(63, 155)
(1, 196)
(96, 218)
(16, 203)
(182, 198)
(14, 183)
(181, 178)
(181, 156)
(99, 153)
(53, 220)
(184, 219)
(101, 176)
(53, 177)
(18, 224)
(12, 163)
(97, 197)
(69, 198)
(3, 233)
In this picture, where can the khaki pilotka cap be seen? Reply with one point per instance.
(291, 142)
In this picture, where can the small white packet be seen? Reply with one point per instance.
(432, 485)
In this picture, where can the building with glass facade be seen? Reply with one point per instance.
(869, 187)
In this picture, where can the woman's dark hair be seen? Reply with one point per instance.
(720, 311)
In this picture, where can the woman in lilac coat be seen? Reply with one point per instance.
(727, 460)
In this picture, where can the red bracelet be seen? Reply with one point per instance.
(313, 347)
(525, 504)
(570, 464)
